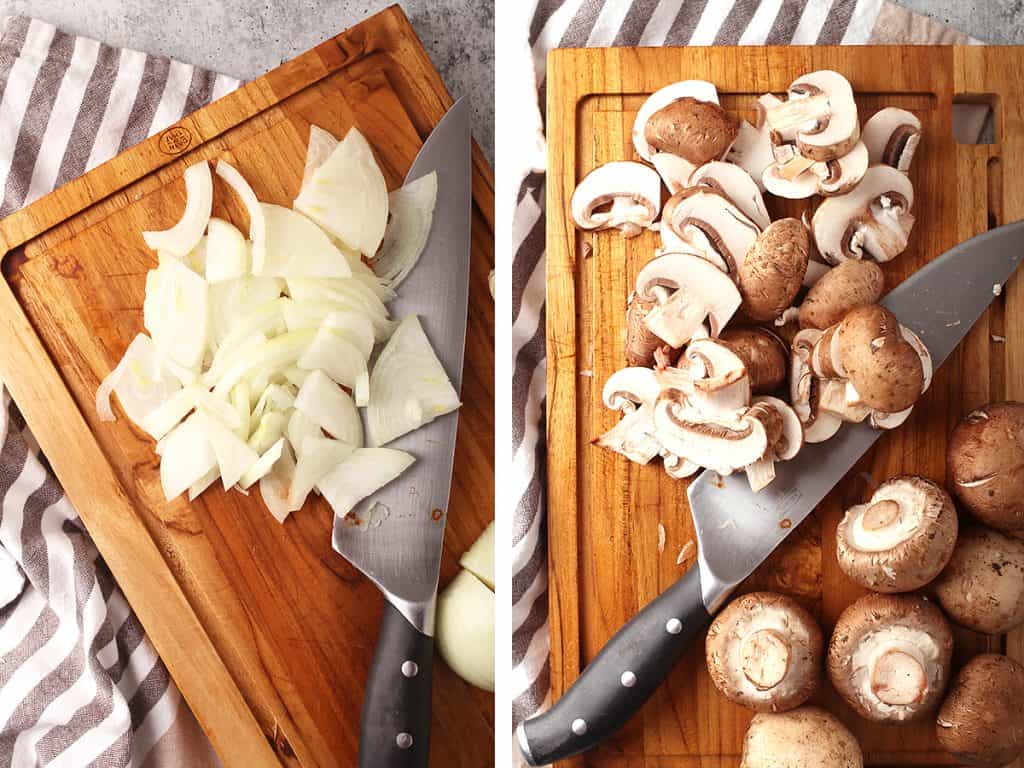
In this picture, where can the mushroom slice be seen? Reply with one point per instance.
(772, 272)
(704, 218)
(873, 220)
(688, 290)
(620, 195)
(826, 360)
(752, 151)
(901, 539)
(698, 90)
(677, 467)
(889, 656)
(804, 390)
(820, 115)
(629, 388)
(799, 187)
(675, 171)
(633, 436)
(891, 136)
(699, 245)
(641, 343)
(785, 439)
(734, 183)
(839, 176)
(764, 652)
(718, 442)
(718, 378)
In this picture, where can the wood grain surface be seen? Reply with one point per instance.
(605, 513)
(267, 631)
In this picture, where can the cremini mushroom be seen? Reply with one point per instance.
(632, 391)
(687, 290)
(986, 465)
(982, 588)
(889, 656)
(981, 722)
(807, 737)
(843, 288)
(763, 354)
(785, 438)
(839, 176)
(735, 184)
(619, 195)
(873, 220)
(641, 342)
(901, 539)
(891, 136)
(764, 652)
(795, 177)
(772, 272)
(805, 390)
(820, 115)
(708, 221)
(714, 379)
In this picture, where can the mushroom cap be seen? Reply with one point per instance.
(700, 90)
(764, 651)
(736, 184)
(884, 368)
(632, 189)
(772, 273)
(807, 737)
(709, 221)
(843, 288)
(763, 354)
(889, 656)
(790, 438)
(985, 457)
(872, 220)
(891, 136)
(901, 539)
(697, 131)
(982, 588)
(981, 722)
(641, 342)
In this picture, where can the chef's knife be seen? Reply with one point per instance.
(737, 528)
(397, 543)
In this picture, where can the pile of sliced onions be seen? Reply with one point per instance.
(260, 351)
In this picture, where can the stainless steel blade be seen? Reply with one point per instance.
(397, 542)
(737, 528)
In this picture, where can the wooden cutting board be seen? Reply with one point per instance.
(267, 631)
(605, 513)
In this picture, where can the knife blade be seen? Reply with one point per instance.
(737, 529)
(397, 544)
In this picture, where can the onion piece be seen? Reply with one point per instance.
(162, 420)
(295, 376)
(227, 252)
(297, 247)
(234, 456)
(408, 385)
(335, 355)
(366, 471)
(175, 312)
(203, 483)
(235, 302)
(186, 456)
(278, 352)
(412, 213)
(264, 465)
(331, 408)
(275, 397)
(321, 145)
(257, 226)
(319, 456)
(300, 427)
(271, 428)
(275, 484)
(242, 402)
(140, 381)
(330, 295)
(180, 239)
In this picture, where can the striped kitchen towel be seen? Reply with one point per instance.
(596, 23)
(80, 685)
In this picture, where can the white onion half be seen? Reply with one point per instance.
(180, 239)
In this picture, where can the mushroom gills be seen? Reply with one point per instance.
(618, 195)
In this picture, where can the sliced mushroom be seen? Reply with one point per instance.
(889, 656)
(826, 359)
(629, 388)
(708, 221)
(839, 176)
(632, 391)
(752, 151)
(785, 438)
(850, 285)
(735, 184)
(641, 342)
(763, 354)
(688, 290)
(620, 195)
(820, 115)
(804, 390)
(764, 652)
(677, 467)
(798, 187)
(873, 220)
(891, 136)
(901, 539)
(718, 379)
(772, 272)
(986, 465)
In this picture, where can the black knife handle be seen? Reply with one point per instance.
(623, 676)
(394, 730)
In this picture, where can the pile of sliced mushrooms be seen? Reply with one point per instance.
(733, 305)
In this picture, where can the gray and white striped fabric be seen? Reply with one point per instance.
(80, 685)
(597, 23)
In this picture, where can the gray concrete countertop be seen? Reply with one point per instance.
(246, 39)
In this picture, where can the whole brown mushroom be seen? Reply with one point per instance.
(843, 288)
(807, 737)
(764, 652)
(981, 722)
(762, 352)
(697, 131)
(889, 656)
(882, 365)
(982, 588)
(771, 274)
(986, 463)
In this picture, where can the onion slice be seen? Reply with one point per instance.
(366, 471)
(226, 252)
(180, 239)
(186, 456)
(140, 381)
(275, 484)
(234, 456)
(321, 145)
(412, 213)
(335, 355)
(264, 465)
(331, 408)
(300, 428)
(320, 455)
(408, 385)
(175, 312)
(257, 226)
(296, 247)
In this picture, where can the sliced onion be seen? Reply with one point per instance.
(366, 471)
(203, 483)
(330, 408)
(297, 247)
(278, 352)
(180, 239)
(319, 456)
(275, 484)
(227, 252)
(275, 397)
(242, 401)
(186, 456)
(234, 456)
(335, 355)
(408, 385)
(264, 465)
(163, 419)
(327, 295)
(412, 213)
(175, 312)
(321, 145)
(234, 302)
(257, 226)
(140, 381)
(347, 195)
(300, 428)
(271, 428)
